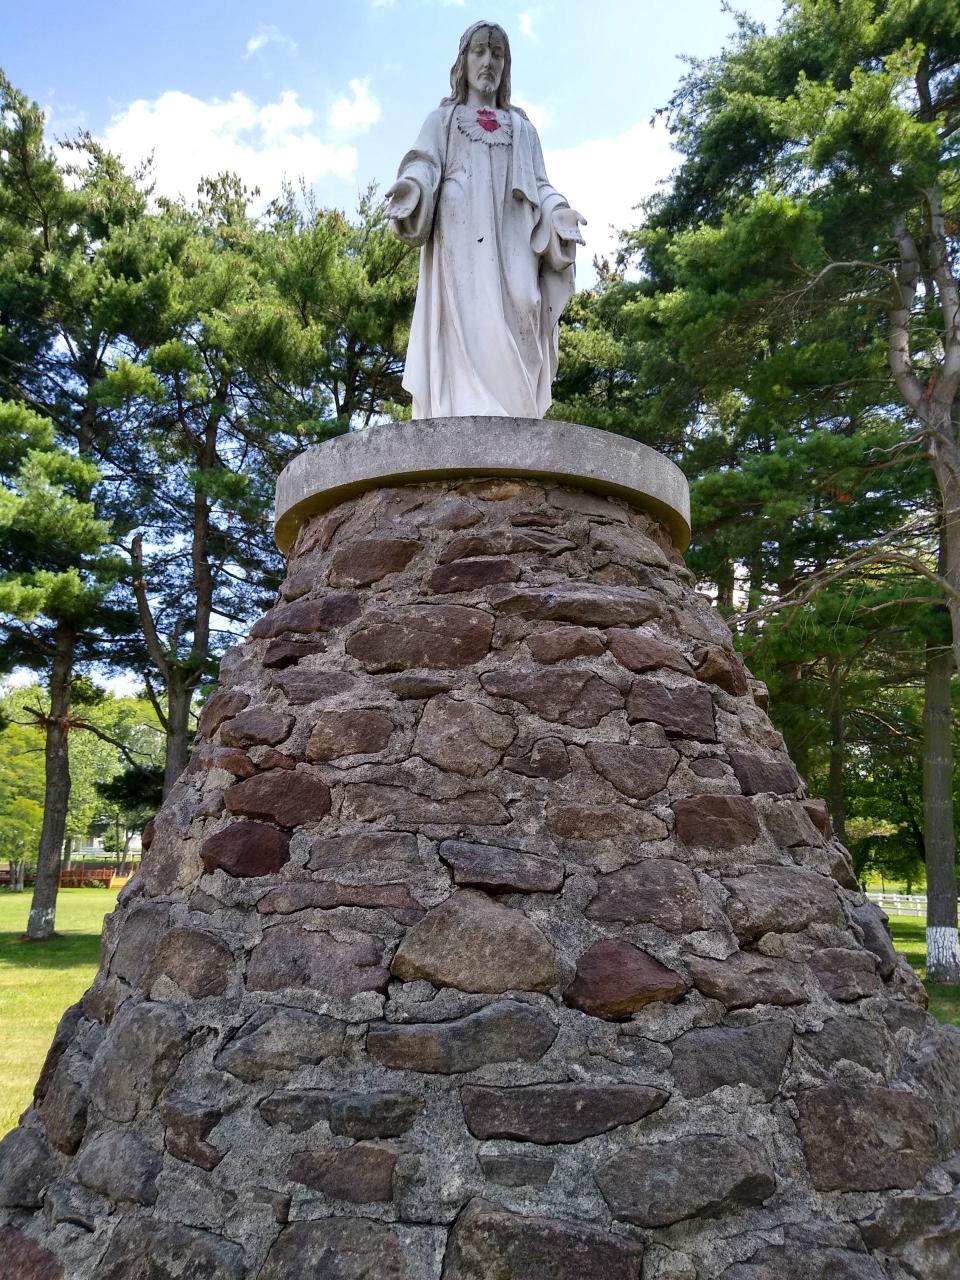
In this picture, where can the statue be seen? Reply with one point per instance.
(498, 246)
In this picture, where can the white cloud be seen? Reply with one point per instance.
(192, 138)
(357, 113)
(539, 114)
(266, 34)
(604, 178)
(525, 24)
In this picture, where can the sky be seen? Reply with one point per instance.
(333, 93)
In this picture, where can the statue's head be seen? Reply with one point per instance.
(481, 33)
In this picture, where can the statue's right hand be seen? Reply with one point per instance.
(402, 198)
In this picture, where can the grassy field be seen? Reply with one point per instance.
(38, 981)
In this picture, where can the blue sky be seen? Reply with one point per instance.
(335, 93)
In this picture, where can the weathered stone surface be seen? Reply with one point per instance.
(863, 1139)
(806, 1262)
(300, 687)
(780, 900)
(657, 891)
(498, 870)
(869, 1044)
(686, 710)
(505, 952)
(516, 1170)
(565, 642)
(64, 1113)
(363, 849)
(818, 814)
(846, 974)
(25, 1259)
(723, 668)
(463, 737)
(385, 1114)
(199, 963)
(290, 957)
(223, 704)
(119, 1166)
(188, 1123)
(707, 1059)
(347, 733)
(284, 653)
(575, 697)
(548, 1113)
(370, 802)
(336, 1249)
(366, 560)
(757, 774)
(876, 937)
(149, 1249)
(297, 1109)
(470, 575)
(326, 895)
(790, 825)
(614, 979)
(588, 606)
(698, 1176)
(439, 635)
(548, 758)
(716, 822)
(937, 1069)
(26, 1165)
(256, 726)
(322, 613)
(506, 1031)
(63, 1036)
(246, 849)
(136, 1058)
(279, 796)
(456, 514)
(921, 1230)
(280, 1040)
(208, 756)
(638, 772)
(747, 979)
(503, 542)
(602, 822)
(543, 517)
(420, 684)
(639, 651)
(361, 1174)
(488, 1243)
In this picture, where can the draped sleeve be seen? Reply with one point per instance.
(423, 164)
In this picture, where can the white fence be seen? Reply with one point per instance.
(901, 904)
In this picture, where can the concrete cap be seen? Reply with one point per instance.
(453, 448)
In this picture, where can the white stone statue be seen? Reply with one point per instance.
(498, 246)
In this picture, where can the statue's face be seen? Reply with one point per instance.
(485, 61)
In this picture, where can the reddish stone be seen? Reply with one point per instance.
(200, 964)
(818, 815)
(548, 758)
(846, 974)
(277, 760)
(716, 822)
(549, 1113)
(347, 733)
(543, 517)
(318, 533)
(456, 514)
(746, 979)
(394, 898)
(420, 684)
(25, 1259)
(219, 707)
(723, 668)
(578, 698)
(614, 979)
(288, 799)
(756, 775)
(639, 772)
(863, 1139)
(565, 642)
(657, 891)
(300, 687)
(292, 957)
(503, 542)
(602, 822)
(440, 635)
(147, 834)
(686, 710)
(323, 613)
(246, 849)
(257, 726)
(188, 1123)
(588, 606)
(207, 756)
(470, 575)
(371, 802)
(284, 653)
(638, 651)
(364, 849)
(361, 1174)
(463, 737)
(366, 560)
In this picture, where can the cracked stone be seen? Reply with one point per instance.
(506, 1031)
(463, 737)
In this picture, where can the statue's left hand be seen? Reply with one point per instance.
(567, 222)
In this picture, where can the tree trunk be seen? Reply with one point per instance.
(943, 956)
(18, 874)
(179, 696)
(57, 795)
(838, 808)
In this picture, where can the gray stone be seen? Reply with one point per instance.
(149, 1249)
(280, 1040)
(516, 1170)
(63, 1036)
(638, 772)
(657, 891)
(371, 802)
(588, 606)
(361, 1174)
(868, 1044)
(876, 937)
(922, 1231)
(119, 1166)
(293, 957)
(846, 974)
(327, 895)
(363, 849)
(549, 1113)
(937, 1069)
(198, 962)
(136, 1058)
(746, 979)
(296, 1109)
(347, 733)
(26, 1165)
(780, 900)
(336, 1249)
(64, 1113)
(499, 870)
(68, 1202)
(384, 1114)
(865, 1139)
(707, 1059)
(788, 1262)
(463, 737)
(506, 1031)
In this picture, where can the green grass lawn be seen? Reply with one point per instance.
(39, 980)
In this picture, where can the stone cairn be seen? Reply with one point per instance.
(490, 935)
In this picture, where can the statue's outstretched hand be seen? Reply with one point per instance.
(567, 224)
(402, 198)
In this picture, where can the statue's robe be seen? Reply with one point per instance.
(494, 274)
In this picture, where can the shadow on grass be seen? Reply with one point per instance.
(63, 951)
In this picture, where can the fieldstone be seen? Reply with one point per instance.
(327, 895)
(463, 737)
(26, 1166)
(137, 1058)
(818, 814)
(26, 1259)
(363, 849)
(456, 514)
(756, 774)
(277, 760)
(361, 1174)
(284, 653)
(865, 1139)
(223, 704)
(199, 963)
(371, 802)
(257, 726)
(549, 1113)
(686, 710)
(319, 532)
(366, 560)
(189, 1122)
(548, 758)
(506, 1031)
(470, 575)
(436, 635)
(846, 974)
(869, 1044)
(809, 1262)
(723, 668)
(588, 606)
(336, 1249)
(150, 1249)
(321, 613)
(790, 825)
(876, 937)
(921, 1230)
(627, 546)
(279, 796)
(716, 822)
(206, 755)
(702, 1175)
(348, 733)
(119, 1166)
(541, 516)
(516, 1170)
(296, 1109)
(64, 1113)
(937, 1070)
(384, 1114)
(420, 684)
(707, 1059)
(293, 957)
(614, 979)
(575, 697)
(498, 870)
(639, 651)
(503, 542)
(246, 849)
(63, 1036)
(638, 772)
(302, 687)
(504, 951)
(747, 978)
(140, 930)
(280, 1040)
(565, 642)
(780, 900)
(65, 1201)
(657, 891)
(487, 1243)
(602, 822)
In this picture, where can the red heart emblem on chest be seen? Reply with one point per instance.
(487, 119)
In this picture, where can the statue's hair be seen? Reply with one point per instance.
(458, 72)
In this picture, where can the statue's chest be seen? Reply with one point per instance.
(491, 128)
